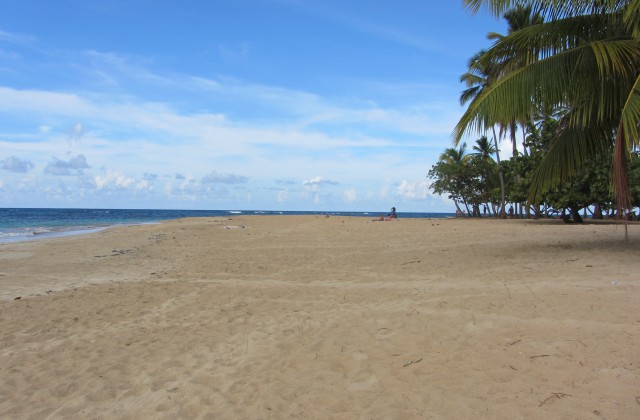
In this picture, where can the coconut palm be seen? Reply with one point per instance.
(517, 18)
(455, 156)
(487, 169)
(477, 79)
(454, 162)
(484, 149)
(588, 61)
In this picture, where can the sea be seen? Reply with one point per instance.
(27, 224)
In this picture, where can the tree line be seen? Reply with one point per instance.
(566, 77)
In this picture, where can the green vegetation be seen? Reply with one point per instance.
(567, 76)
(471, 180)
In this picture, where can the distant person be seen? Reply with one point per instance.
(511, 212)
(390, 216)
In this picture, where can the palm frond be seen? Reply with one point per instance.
(632, 19)
(552, 37)
(565, 76)
(602, 79)
(570, 150)
(630, 118)
(617, 58)
(470, 79)
(552, 9)
(513, 96)
(469, 94)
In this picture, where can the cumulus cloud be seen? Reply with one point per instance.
(143, 185)
(118, 181)
(15, 164)
(216, 178)
(113, 179)
(73, 166)
(319, 181)
(314, 184)
(418, 190)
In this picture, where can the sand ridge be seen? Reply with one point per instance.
(323, 317)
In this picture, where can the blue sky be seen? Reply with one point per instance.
(230, 104)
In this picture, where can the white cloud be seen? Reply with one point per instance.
(15, 164)
(319, 180)
(73, 166)
(417, 190)
(49, 103)
(307, 135)
(216, 178)
(143, 185)
(314, 184)
(116, 180)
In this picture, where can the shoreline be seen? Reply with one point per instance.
(20, 224)
(323, 317)
(53, 232)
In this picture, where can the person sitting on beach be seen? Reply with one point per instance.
(390, 216)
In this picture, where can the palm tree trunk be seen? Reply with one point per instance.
(575, 214)
(524, 141)
(621, 177)
(457, 206)
(512, 129)
(503, 213)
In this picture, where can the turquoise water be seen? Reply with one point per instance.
(18, 224)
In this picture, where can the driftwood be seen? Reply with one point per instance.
(412, 362)
(558, 395)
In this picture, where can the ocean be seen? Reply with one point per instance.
(17, 224)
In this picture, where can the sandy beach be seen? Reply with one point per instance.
(263, 317)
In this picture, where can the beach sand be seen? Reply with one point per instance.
(323, 317)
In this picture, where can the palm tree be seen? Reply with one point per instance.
(457, 160)
(483, 151)
(455, 156)
(483, 148)
(517, 18)
(588, 60)
(477, 79)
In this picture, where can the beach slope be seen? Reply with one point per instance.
(323, 317)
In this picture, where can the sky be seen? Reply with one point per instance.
(311, 105)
